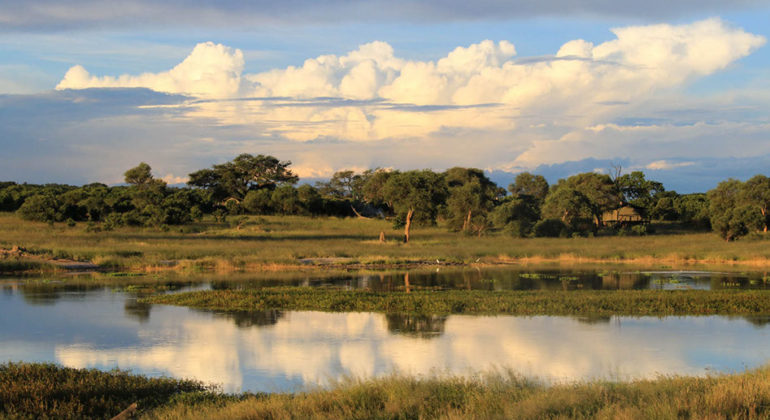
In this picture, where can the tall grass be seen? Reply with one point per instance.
(583, 302)
(48, 391)
(285, 240)
(35, 391)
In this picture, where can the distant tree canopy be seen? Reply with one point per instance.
(463, 199)
(233, 180)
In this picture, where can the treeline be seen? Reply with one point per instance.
(464, 198)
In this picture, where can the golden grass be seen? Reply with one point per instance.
(503, 396)
(278, 242)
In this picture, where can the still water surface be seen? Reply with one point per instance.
(283, 351)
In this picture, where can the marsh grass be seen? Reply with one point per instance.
(8, 266)
(506, 395)
(49, 391)
(39, 391)
(283, 241)
(579, 302)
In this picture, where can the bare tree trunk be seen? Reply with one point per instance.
(467, 221)
(406, 282)
(408, 225)
(764, 214)
(359, 215)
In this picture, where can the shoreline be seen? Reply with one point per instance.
(25, 265)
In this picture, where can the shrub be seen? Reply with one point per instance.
(550, 228)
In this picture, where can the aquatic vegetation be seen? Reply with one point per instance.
(511, 302)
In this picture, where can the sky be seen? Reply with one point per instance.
(679, 90)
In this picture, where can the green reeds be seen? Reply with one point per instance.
(583, 302)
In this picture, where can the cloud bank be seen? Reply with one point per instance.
(480, 105)
(640, 60)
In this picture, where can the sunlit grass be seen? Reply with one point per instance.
(48, 391)
(286, 240)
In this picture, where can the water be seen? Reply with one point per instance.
(519, 278)
(285, 351)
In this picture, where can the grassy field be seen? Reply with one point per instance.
(583, 302)
(48, 391)
(279, 241)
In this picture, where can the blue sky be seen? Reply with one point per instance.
(677, 89)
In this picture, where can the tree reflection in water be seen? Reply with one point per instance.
(137, 310)
(248, 319)
(422, 326)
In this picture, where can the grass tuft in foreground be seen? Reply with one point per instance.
(584, 302)
(32, 390)
(744, 396)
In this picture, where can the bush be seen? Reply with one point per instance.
(550, 228)
(40, 208)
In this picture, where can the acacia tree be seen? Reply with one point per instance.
(147, 192)
(414, 196)
(231, 181)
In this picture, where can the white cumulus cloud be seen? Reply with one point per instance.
(211, 70)
(520, 111)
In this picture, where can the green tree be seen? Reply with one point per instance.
(343, 184)
(40, 208)
(693, 210)
(517, 215)
(372, 187)
(258, 201)
(310, 199)
(415, 196)
(145, 190)
(569, 205)
(731, 216)
(527, 184)
(285, 200)
(665, 206)
(471, 197)
(756, 192)
(638, 191)
(233, 180)
(599, 190)
(139, 175)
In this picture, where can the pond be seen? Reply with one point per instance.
(283, 351)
